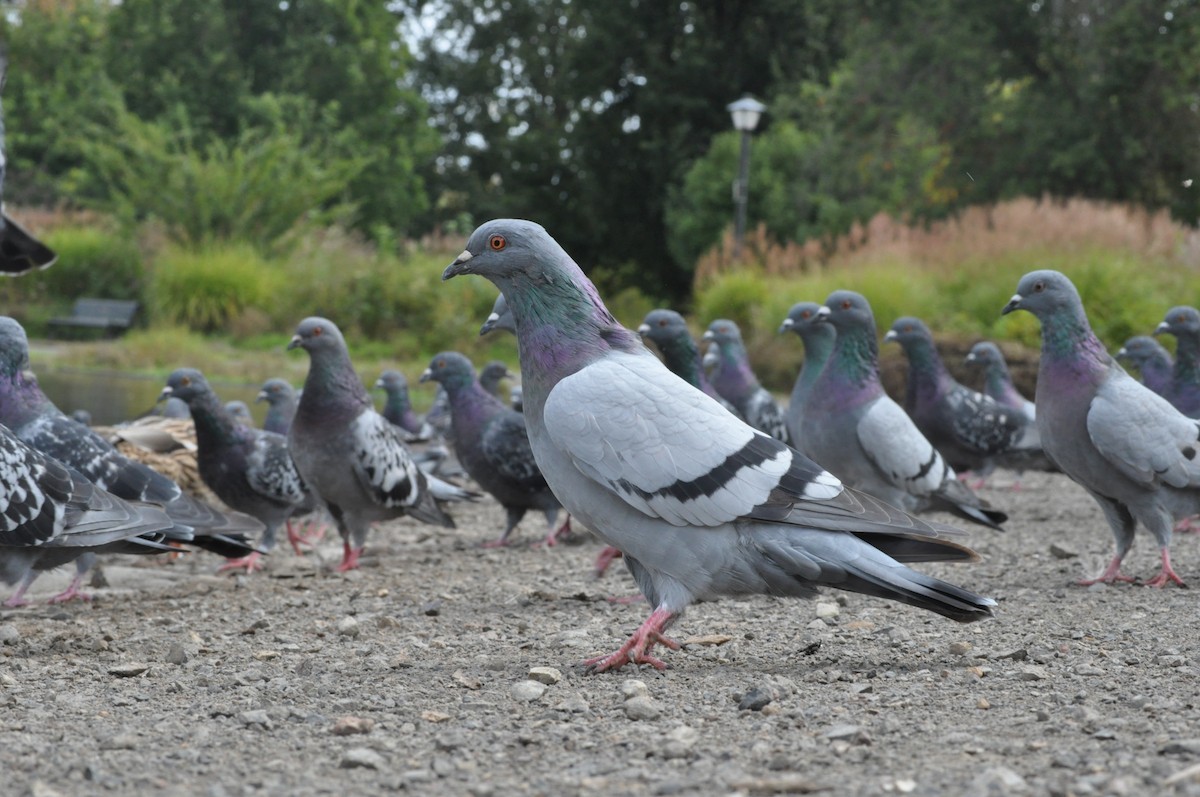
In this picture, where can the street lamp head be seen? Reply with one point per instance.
(746, 113)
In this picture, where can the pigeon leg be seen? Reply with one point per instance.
(513, 515)
(294, 537)
(637, 648)
(1188, 525)
(1111, 573)
(606, 558)
(72, 591)
(1167, 573)
(349, 558)
(17, 599)
(557, 534)
(250, 562)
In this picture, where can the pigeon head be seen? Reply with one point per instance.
(14, 347)
(275, 391)
(316, 335)
(1045, 294)
(663, 327)
(510, 251)
(846, 311)
(493, 374)
(239, 410)
(909, 332)
(449, 369)
(1181, 320)
(185, 384)
(500, 318)
(802, 317)
(985, 354)
(1141, 349)
(723, 332)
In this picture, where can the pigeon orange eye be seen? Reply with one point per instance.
(1039, 286)
(845, 304)
(662, 322)
(316, 332)
(185, 381)
(805, 314)
(497, 242)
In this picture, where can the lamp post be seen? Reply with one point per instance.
(745, 113)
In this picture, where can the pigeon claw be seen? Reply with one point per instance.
(1167, 574)
(250, 562)
(349, 558)
(636, 649)
(557, 535)
(1111, 574)
(606, 558)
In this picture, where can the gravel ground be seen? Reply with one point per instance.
(418, 673)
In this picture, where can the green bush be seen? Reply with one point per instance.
(92, 261)
(207, 289)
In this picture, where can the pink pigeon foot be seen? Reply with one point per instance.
(499, 542)
(1167, 574)
(556, 535)
(17, 599)
(72, 592)
(349, 558)
(1111, 573)
(250, 562)
(637, 648)
(606, 558)
(1188, 525)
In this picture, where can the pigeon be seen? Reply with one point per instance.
(669, 332)
(397, 408)
(493, 446)
(240, 411)
(26, 410)
(1122, 442)
(248, 468)
(853, 428)
(997, 382)
(817, 337)
(1184, 324)
(1152, 361)
(969, 429)
(490, 377)
(20, 252)
(281, 405)
(734, 380)
(53, 515)
(350, 456)
(701, 504)
(500, 318)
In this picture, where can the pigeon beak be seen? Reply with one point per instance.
(379, 383)
(1013, 304)
(708, 335)
(459, 266)
(970, 358)
(426, 375)
(490, 324)
(786, 325)
(643, 330)
(294, 343)
(165, 394)
(1161, 328)
(1122, 353)
(823, 314)
(891, 336)
(262, 396)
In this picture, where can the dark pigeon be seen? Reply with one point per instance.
(817, 336)
(1184, 393)
(997, 382)
(1151, 360)
(737, 384)
(491, 379)
(667, 330)
(397, 408)
(281, 405)
(701, 504)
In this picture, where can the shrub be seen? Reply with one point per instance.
(92, 261)
(207, 289)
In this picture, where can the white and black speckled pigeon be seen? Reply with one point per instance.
(667, 330)
(968, 428)
(397, 407)
(281, 405)
(817, 336)
(1184, 323)
(20, 252)
(248, 468)
(852, 427)
(349, 455)
(1151, 360)
(492, 444)
(733, 379)
(701, 504)
(1123, 443)
(52, 515)
(26, 410)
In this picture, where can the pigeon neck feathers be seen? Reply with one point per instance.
(214, 423)
(733, 377)
(332, 389)
(853, 368)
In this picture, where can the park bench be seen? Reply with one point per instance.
(110, 316)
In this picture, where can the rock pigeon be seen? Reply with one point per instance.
(490, 378)
(1184, 324)
(701, 504)
(968, 428)
(26, 410)
(493, 446)
(281, 405)
(53, 515)
(500, 318)
(20, 252)
(1152, 361)
(669, 332)
(817, 336)
(350, 456)
(248, 468)
(397, 408)
(737, 384)
(240, 411)
(853, 428)
(997, 382)
(1126, 445)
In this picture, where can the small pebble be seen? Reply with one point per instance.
(527, 691)
(755, 699)
(176, 654)
(1060, 551)
(545, 675)
(680, 741)
(641, 707)
(351, 726)
(960, 648)
(348, 626)
(633, 688)
(361, 757)
(128, 670)
(9, 634)
(255, 718)
(826, 610)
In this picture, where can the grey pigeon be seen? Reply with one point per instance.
(1152, 361)
(997, 382)
(281, 405)
(701, 504)
(172, 407)
(492, 444)
(1126, 445)
(53, 515)
(26, 410)
(500, 318)
(247, 468)
(968, 428)
(852, 427)
(737, 384)
(669, 332)
(240, 411)
(817, 336)
(1184, 324)
(20, 252)
(397, 408)
(491, 377)
(349, 455)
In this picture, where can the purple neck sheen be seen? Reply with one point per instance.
(471, 407)
(733, 378)
(1073, 359)
(1187, 360)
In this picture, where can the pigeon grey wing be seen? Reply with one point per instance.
(383, 464)
(669, 450)
(901, 455)
(767, 416)
(980, 423)
(506, 447)
(271, 473)
(1142, 435)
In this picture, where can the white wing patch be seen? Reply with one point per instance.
(897, 448)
